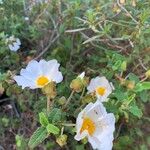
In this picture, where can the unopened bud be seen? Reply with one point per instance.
(122, 81)
(130, 85)
(62, 100)
(84, 140)
(88, 98)
(76, 85)
(147, 73)
(62, 140)
(50, 90)
(79, 83)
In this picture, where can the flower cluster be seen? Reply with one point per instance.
(93, 122)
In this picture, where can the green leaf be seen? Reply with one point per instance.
(38, 137)
(55, 115)
(135, 111)
(43, 119)
(52, 129)
(133, 77)
(144, 96)
(142, 86)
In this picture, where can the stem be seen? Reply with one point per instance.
(78, 109)
(69, 98)
(144, 79)
(62, 131)
(83, 91)
(49, 104)
(68, 124)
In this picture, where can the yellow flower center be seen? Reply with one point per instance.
(42, 81)
(101, 90)
(88, 125)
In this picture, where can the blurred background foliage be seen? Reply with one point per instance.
(100, 37)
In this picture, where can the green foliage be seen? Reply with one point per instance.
(135, 111)
(52, 129)
(55, 115)
(38, 136)
(142, 86)
(43, 119)
(21, 142)
(98, 37)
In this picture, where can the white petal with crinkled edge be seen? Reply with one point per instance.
(105, 144)
(51, 70)
(96, 111)
(100, 82)
(105, 126)
(24, 82)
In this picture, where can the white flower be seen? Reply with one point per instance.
(101, 87)
(97, 125)
(39, 74)
(82, 75)
(13, 43)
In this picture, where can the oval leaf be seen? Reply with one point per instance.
(52, 129)
(38, 137)
(43, 119)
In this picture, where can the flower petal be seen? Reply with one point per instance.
(79, 136)
(105, 126)
(33, 67)
(24, 82)
(81, 75)
(96, 111)
(54, 74)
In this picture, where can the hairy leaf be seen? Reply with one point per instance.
(38, 136)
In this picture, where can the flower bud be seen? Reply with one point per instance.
(62, 140)
(62, 100)
(50, 90)
(84, 140)
(76, 85)
(147, 73)
(130, 85)
(88, 98)
(122, 81)
(79, 83)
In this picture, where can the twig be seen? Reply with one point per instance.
(68, 101)
(47, 48)
(140, 61)
(119, 129)
(5, 99)
(127, 12)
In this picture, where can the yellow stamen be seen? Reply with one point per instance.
(101, 90)
(42, 81)
(88, 125)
